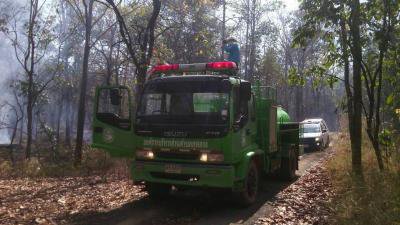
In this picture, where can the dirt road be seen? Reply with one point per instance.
(196, 207)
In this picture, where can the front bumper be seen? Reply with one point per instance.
(197, 175)
(309, 143)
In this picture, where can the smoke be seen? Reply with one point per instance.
(9, 68)
(4, 137)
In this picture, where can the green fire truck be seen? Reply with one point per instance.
(198, 126)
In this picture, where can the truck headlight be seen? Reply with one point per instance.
(317, 139)
(144, 154)
(211, 157)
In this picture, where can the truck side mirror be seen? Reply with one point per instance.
(245, 91)
(115, 97)
(238, 123)
(226, 85)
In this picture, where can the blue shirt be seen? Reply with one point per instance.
(233, 52)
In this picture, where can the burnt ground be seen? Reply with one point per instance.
(197, 207)
(93, 200)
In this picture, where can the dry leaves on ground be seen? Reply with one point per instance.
(305, 201)
(54, 200)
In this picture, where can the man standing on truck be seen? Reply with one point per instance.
(231, 50)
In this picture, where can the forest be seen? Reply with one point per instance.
(59, 71)
(338, 60)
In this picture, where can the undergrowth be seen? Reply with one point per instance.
(94, 162)
(376, 199)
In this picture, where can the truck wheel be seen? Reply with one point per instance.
(156, 190)
(249, 194)
(288, 167)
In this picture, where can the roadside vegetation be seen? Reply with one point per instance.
(94, 162)
(376, 200)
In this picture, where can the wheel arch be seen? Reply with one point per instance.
(256, 155)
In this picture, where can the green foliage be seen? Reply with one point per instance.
(295, 78)
(390, 99)
(332, 22)
(386, 137)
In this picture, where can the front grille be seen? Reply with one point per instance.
(175, 176)
(177, 155)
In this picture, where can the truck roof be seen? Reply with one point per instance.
(198, 77)
(190, 77)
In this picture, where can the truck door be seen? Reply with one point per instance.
(243, 132)
(112, 123)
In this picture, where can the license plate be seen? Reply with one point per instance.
(172, 168)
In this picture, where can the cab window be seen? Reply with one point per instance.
(311, 128)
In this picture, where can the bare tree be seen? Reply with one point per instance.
(88, 17)
(29, 53)
(140, 47)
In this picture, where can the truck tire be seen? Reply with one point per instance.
(157, 191)
(248, 195)
(288, 166)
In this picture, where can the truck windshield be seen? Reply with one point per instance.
(186, 102)
(311, 128)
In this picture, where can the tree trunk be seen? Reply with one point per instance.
(377, 127)
(14, 134)
(21, 127)
(223, 26)
(29, 112)
(374, 116)
(67, 120)
(253, 59)
(83, 87)
(346, 65)
(247, 55)
(356, 121)
(60, 109)
(299, 103)
(29, 65)
(141, 77)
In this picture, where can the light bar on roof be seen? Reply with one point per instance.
(212, 66)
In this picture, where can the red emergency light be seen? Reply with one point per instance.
(165, 67)
(221, 65)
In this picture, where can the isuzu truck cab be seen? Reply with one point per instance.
(198, 125)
